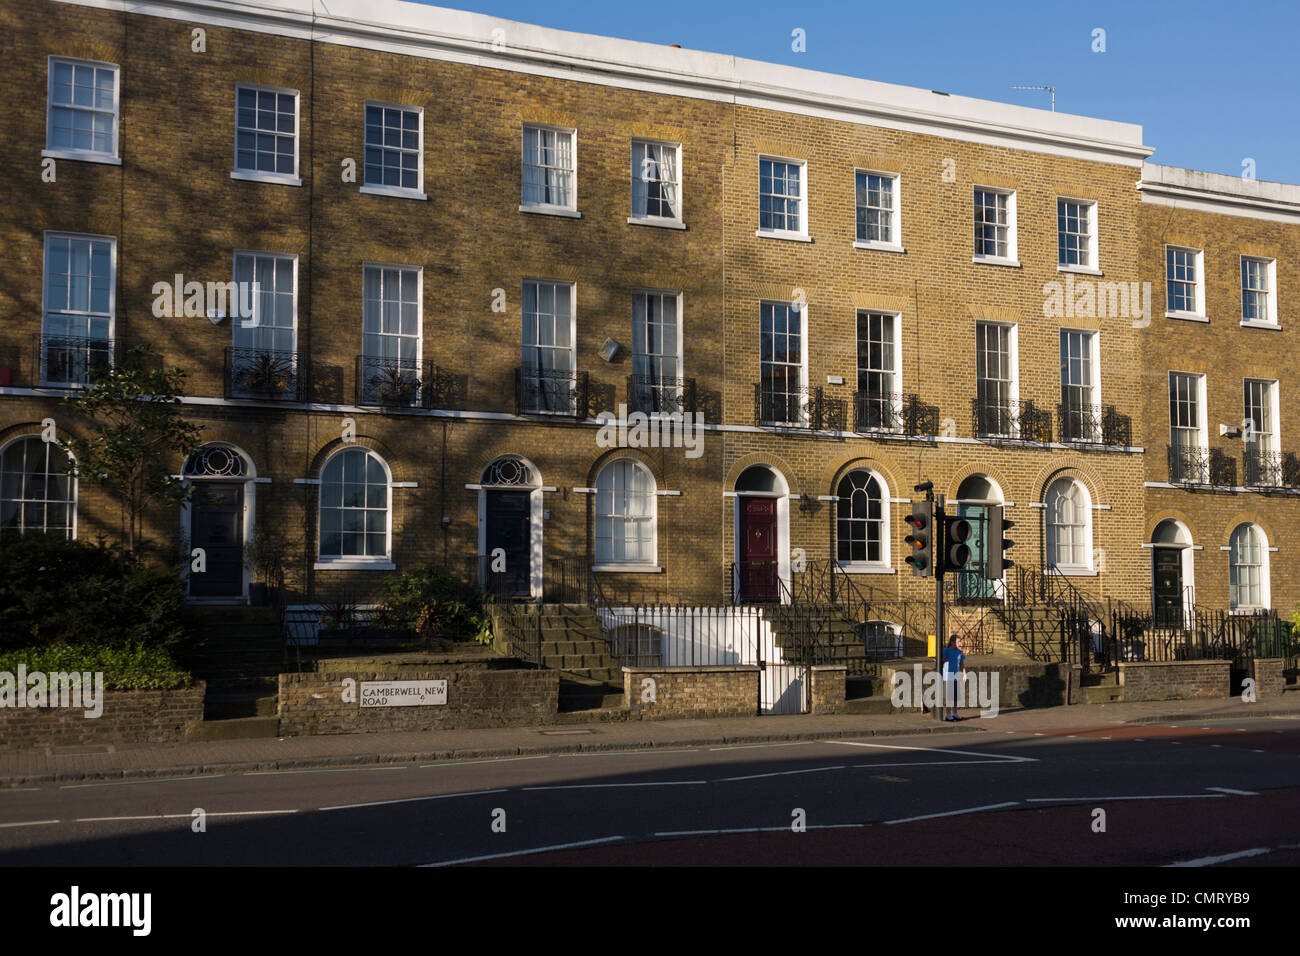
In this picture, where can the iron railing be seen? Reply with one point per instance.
(798, 407)
(1262, 469)
(390, 382)
(1094, 424)
(558, 392)
(1189, 464)
(877, 412)
(262, 373)
(65, 360)
(652, 394)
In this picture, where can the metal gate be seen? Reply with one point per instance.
(783, 688)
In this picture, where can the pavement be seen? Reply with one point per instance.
(139, 761)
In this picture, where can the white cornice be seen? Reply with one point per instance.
(438, 33)
(1218, 193)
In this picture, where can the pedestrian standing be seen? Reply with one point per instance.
(954, 669)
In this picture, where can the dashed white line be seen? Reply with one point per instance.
(1240, 793)
(934, 750)
(124, 783)
(785, 829)
(28, 823)
(607, 786)
(462, 763)
(793, 743)
(540, 849)
(1211, 860)
(954, 813)
(1158, 796)
(779, 773)
(186, 816)
(436, 796)
(287, 773)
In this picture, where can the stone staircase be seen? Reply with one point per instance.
(838, 640)
(573, 643)
(239, 652)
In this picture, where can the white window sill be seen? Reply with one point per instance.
(80, 156)
(1187, 316)
(1248, 610)
(628, 568)
(379, 565)
(866, 569)
(651, 221)
(878, 246)
(1256, 324)
(1075, 572)
(551, 211)
(279, 179)
(782, 234)
(397, 192)
(1081, 270)
(996, 261)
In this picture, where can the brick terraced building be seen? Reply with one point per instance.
(469, 238)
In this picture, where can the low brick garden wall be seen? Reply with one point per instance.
(315, 704)
(128, 717)
(827, 693)
(1270, 677)
(1027, 684)
(730, 691)
(1175, 680)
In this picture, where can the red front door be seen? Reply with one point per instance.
(758, 567)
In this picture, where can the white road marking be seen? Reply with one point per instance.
(925, 763)
(640, 751)
(186, 816)
(436, 796)
(28, 823)
(953, 813)
(933, 750)
(779, 773)
(785, 829)
(540, 849)
(19, 789)
(462, 763)
(287, 773)
(792, 743)
(1211, 860)
(1159, 796)
(606, 786)
(123, 783)
(1240, 793)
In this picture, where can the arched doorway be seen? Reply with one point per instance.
(1172, 597)
(975, 495)
(762, 523)
(219, 520)
(510, 528)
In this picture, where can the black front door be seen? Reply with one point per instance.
(217, 526)
(508, 543)
(1168, 586)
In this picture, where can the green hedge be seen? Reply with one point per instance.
(124, 668)
(55, 591)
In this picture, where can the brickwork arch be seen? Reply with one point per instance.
(1072, 466)
(992, 474)
(636, 454)
(835, 473)
(775, 462)
(327, 451)
(34, 429)
(1247, 517)
(1169, 514)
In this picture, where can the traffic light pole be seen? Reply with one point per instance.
(940, 619)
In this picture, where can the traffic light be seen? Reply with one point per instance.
(995, 552)
(956, 532)
(920, 537)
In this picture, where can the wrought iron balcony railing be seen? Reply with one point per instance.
(403, 383)
(1011, 420)
(552, 392)
(1223, 468)
(1189, 464)
(877, 412)
(66, 361)
(262, 373)
(1094, 424)
(798, 407)
(1263, 469)
(652, 394)
(919, 419)
(1290, 470)
(389, 381)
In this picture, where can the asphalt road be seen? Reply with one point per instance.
(1197, 794)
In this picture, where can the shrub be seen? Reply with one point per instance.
(124, 668)
(55, 591)
(429, 599)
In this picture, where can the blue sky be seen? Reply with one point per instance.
(1210, 82)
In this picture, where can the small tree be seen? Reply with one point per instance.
(135, 426)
